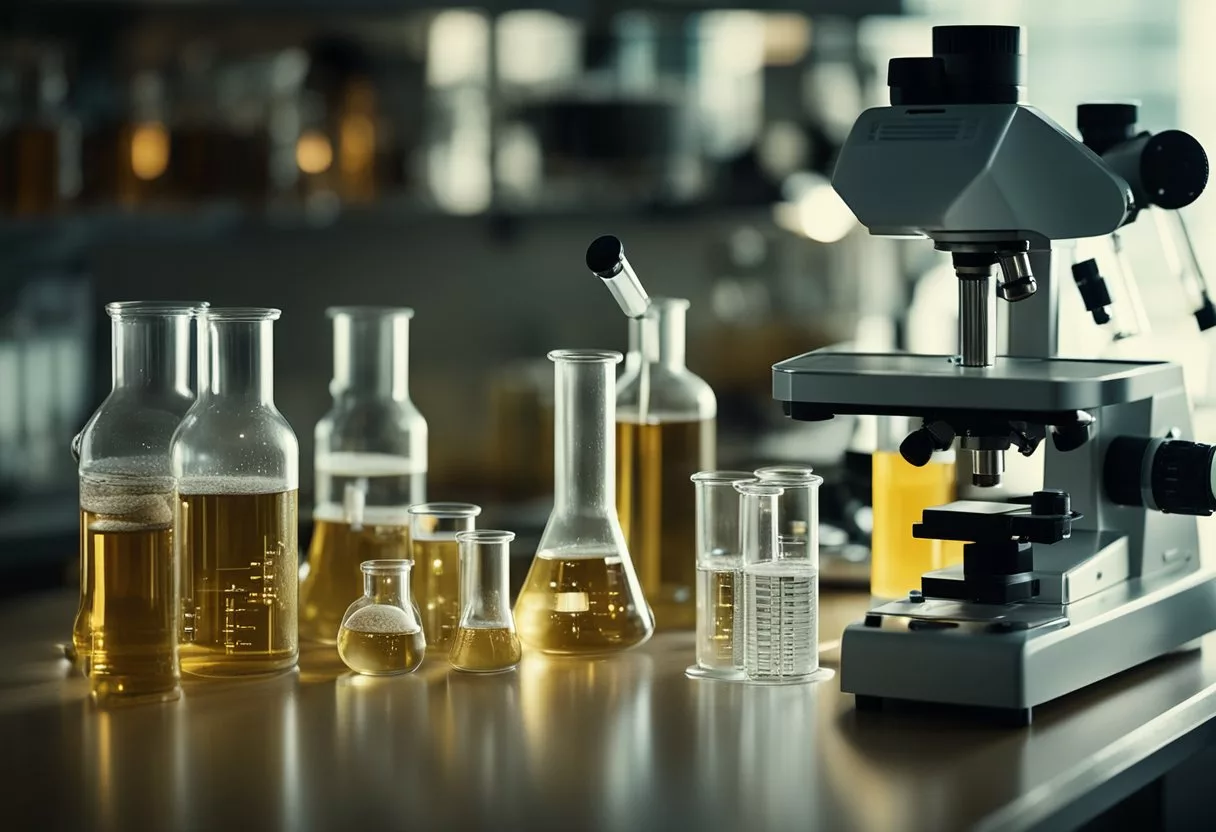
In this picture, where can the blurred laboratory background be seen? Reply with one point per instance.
(309, 153)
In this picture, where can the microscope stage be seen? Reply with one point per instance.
(824, 383)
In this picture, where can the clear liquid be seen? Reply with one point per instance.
(782, 627)
(577, 606)
(719, 619)
(485, 649)
(381, 640)
(386, 480)
(240, 582)
(435, 587)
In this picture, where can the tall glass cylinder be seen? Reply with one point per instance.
(581, 595)
(371, 461)
(238, 467)
(665, 418)
(485, 641)
(719, 575)
(797, 508)
(781, 593)
(433, 531)
(125, 633)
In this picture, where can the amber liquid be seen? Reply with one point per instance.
(130, 637)
(719, 619)
(485, 649)
(901, 493)
(656, 505)
(239, 583)
(435, 587)
(334, 579)
(581, 606)
(381, 654)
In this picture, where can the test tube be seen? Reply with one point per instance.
(719, 576)
(781, 591)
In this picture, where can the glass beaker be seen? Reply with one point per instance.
(719, 575)
(238, 467)
(433, 530)
(581, 596)
(797, 507)
(485, 641)
(370, 463)
(781, 592)
(380, 634)
(125, 633)
(665, 434)
(901, 492)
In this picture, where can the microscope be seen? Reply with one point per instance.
(1100, 570)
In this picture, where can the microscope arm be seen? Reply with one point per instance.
(1172, 476)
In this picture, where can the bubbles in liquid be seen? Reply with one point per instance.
(485, 649)
(381, 640)
(782, 609)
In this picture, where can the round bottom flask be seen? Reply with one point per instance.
(380, 634)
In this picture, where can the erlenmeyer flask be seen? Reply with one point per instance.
(581, 595)
(486, 641)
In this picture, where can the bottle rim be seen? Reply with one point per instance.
(243, 314)
(585, 356)
(485, 536)
(370, 311)
(722, 477)
(788, 475)
(445, 510)
(149, 308)
(759, 489)
(392, 566)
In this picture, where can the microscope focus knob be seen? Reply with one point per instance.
(1051, 501)
(1173, 476)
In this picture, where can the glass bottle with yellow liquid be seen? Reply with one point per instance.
(665, 434)
(370, 464)
(237, 463)
(125, 634)
(581, 596)
(901, 492)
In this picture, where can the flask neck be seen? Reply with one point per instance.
(485, 591)
(241, 359)
(584, 443)
(151, 351)
(372, 355)
(659, 336)
(389, 587)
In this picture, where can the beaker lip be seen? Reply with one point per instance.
(485, 536)
(135, 308)
(386, 566)
(446, 509)
(586, 356)
(759, 489)
(370, 311)
(788, 475)
(722, 477)
(238, 314)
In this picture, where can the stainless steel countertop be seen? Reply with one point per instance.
(624, 743)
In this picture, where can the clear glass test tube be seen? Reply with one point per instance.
(719, 576)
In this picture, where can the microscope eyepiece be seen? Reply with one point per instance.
(605, 256)
(606, 259)
(983, 64)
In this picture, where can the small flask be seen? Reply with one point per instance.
(581, 596)
(719, 576)
(370, 463)
(436, 579)
(485, 640)
(380, 634)
(125, 634)
(665, 419)
(238, 468)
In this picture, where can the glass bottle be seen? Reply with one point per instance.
(370, 463)
(125, 633)
(719, 575)
(485, 641)
(433, 530)
(380, 634)
(238, 467)
(665, 434)
(901, 492)
(581, 595)
(781, 592)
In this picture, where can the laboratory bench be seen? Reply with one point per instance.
(624, 743)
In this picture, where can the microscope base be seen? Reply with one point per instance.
(1013, 658)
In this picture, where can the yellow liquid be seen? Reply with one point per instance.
(435, 587)
(334, 579)
(581, 606)
(381, 654)
(485, 649)
(239, 583)
(718, 631)
(901, 492)
(130, 638)
(656, 503)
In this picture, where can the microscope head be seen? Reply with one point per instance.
(958, 159)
